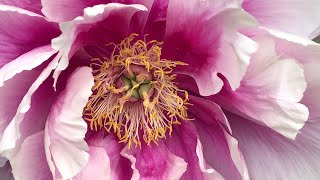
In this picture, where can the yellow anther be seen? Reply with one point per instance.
(110, 106)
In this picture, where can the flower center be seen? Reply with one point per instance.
(134, 95)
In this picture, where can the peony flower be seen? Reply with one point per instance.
(162, 89)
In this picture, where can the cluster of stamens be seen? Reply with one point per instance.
(134, 95)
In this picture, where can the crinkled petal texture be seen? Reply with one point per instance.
(291, 159)
(66, 149)
(205, 35)
(308, 54)
(299, 17)
(270, 91)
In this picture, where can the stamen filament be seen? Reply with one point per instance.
(146, 104)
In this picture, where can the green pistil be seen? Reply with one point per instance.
(135, 94)
(126, 82)
(138, 91)
(144, 88)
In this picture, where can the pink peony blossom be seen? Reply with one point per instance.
(159, 89)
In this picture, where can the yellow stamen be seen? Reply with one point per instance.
(158, 104)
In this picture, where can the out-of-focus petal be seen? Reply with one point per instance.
(221, 150)
(30, 162)
(101, 23)
(30, 5)
(98, 166)
(299, 17)
(66, 149)
(27, 61)
(270, 91)
(18, 34)
(154, 162)
(270, 155)
(204, 35)
(5, 172)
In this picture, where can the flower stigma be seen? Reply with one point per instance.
(135, 95)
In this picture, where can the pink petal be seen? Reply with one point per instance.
(299, 17)
(98, 166)
(67, 10)
(184, 143)
(301, 155)
(10, 99)
(18, 35)
(220, 149)
(208, 172)
(119, 165)
(89, 28)
(204, 35)
(12, 131)
(270, 92)
(156, 23)
(30, 162)
(22, 37)
(307, 53)
(35, 119)
(154, 162)
(27, 61)
(62, 10)
(271, 156)
(33, 6)
(66, 149)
